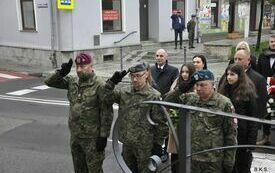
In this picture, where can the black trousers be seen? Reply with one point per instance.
(174, 163)
(178, 33)
(243, 161)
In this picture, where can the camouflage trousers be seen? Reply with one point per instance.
(206, 167)
(85, 157)
(191, 36)
(137, 158)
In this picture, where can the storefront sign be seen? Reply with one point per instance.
(65, 4)
(109, 15)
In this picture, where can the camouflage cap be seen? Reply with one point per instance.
(193, 15)
(137, 68)
(203, 75)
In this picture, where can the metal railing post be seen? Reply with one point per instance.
(120, 48)
(121, 58)
(184, 54)
(184, 142)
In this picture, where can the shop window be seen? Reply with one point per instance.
(28, 15)
(111, 15)
(214, 13)
(178, 5)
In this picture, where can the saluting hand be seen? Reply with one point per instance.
(118, 76)
(66, 68)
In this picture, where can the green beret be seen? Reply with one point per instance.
(137, 68)
(203, 75)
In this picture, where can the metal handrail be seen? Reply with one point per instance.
(115, 143)
(125, 37)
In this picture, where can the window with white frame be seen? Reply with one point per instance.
(111, 15)
(28, 15)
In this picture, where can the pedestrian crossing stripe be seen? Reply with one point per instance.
(41, 87)
(7, 76)
(21, 92)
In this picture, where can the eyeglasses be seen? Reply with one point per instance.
(159, 55)
(137, 76)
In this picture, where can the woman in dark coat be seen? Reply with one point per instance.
(242, 93)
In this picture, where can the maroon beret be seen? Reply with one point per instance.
(83, 58)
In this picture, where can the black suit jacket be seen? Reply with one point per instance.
(263, 66)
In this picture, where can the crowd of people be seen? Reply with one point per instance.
(242, 89)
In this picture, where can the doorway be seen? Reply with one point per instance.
(143, 19)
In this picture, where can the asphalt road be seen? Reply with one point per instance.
(34, 136)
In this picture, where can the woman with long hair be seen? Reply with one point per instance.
(237, 86)
(186, 72)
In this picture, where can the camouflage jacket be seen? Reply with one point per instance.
(135, 128)
(210, 130)
(89, 116)
(191, 26)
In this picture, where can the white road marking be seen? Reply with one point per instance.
(34, 100)
(41, 87)
(21, 92)
(8, 76)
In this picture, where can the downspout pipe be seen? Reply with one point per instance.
(53, 36)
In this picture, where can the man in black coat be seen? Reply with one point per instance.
(163, 75)
(242, 57)
(266, 67)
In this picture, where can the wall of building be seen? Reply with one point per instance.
(153, 20)
(11, 33)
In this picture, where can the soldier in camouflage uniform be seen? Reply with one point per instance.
(191, 31)
(90, 118)
(135, 132)
(208, 130)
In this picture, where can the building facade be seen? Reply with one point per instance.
(45, 32)
(48, 32)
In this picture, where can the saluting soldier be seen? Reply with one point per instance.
(89, 118)
(138, 136)
(208, 130)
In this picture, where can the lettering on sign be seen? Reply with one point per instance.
(109, 15)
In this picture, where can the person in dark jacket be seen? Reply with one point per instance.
(266, 67)
(178, 25)
(242, 57)
(240, 89)
(243, 45)
(164, 75)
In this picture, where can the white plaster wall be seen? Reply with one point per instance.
(153, 20)
(165, 12)
(10, 34)
(86, 22)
